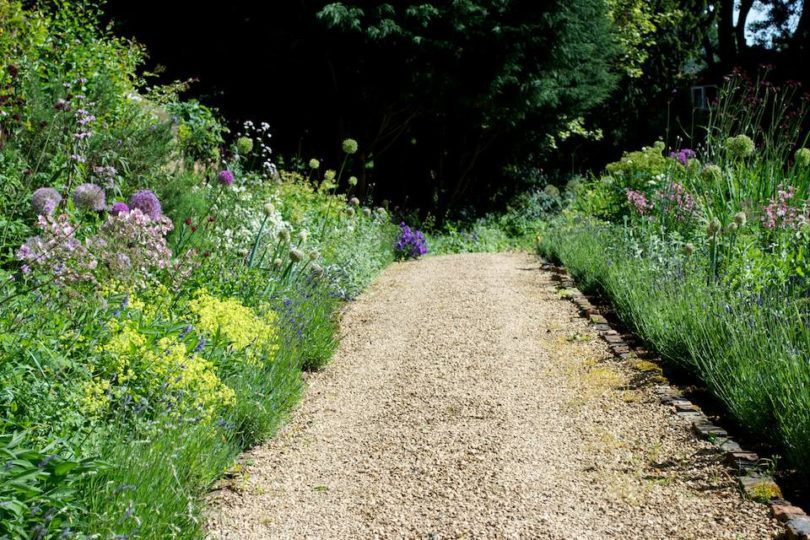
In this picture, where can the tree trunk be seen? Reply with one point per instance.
(725, 33)
(739, 29)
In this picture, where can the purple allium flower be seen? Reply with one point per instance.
(45, 200)
(225, 178)
(683, 155)
(89, 197)
(411, 244)
(119, 208)
(147, 202)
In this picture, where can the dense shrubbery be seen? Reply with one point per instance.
(704, 253)
(159, 292)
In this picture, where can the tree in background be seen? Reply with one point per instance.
(451, 92)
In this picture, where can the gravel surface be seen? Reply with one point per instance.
(468, 400)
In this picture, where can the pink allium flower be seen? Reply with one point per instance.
(119, 208)
(225, 178)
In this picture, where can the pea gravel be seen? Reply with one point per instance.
(468, 400)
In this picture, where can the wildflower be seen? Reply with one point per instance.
(45, 200)
(683, 155)
(119, 208)
(410, 243)
(712, 174)
(89, 197)
(740, 145)
(78, 158)
(778, 212)
(639, 201)
(225, 177)
(303, 235)
(350, 146)
(244, 145)
(147, 202)
(352, 181)
(689, 248)
(354, 201)
(803, 157)
(713, 227)
(740, 219)
(314, 163)
(269, 209)
(367, 212)
(296, 255)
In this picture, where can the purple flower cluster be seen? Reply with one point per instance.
(89, 197)
(147, 202)
(676, 200)
(683, 155)
(132, 245)
(57, 251)
(225, 178)
(778, 213)
(638, 201)
(45, 200)
(411, 243)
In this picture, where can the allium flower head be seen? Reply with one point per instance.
(269, 209)
(683, 155)
(350, 146)
(317, 269)
(689, 248)
(45, 200)
(244, 145)
(552, 191)
(712, 174)
(740, 145)
(225, 177)
(314, 163)
(314, 255)
(803, 157)
(329, 175)
(278, 263)
(352, 181)
(89, 197)
(350, 210)
(119, 208)
(713, 227)
(303, 235)
(354, 201)
(296, 255)
(147, 202)
(740, 219)
(367, 212)
(284, 235)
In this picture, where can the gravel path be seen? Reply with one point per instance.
(467, 400)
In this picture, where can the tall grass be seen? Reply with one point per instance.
(751, 352)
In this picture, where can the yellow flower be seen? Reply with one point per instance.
(237, 323)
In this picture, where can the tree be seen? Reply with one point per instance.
(460, 89)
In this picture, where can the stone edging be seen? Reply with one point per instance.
(756, 483)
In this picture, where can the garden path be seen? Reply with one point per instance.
(468, 400)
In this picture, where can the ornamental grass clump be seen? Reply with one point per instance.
(410, 244)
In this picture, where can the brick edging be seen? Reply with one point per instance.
(756, 483)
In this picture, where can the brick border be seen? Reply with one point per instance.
(754, 482)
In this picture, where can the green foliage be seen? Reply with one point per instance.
(137, 363)
(479, 81)
(708, 263)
